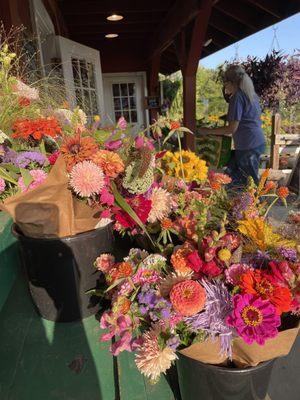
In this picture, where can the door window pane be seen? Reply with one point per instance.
(124, 89)
(124, 100)
(116, 89)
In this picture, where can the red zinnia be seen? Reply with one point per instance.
(36, 129)
(261, 284)
(141, 207)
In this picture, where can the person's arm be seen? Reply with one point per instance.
(228, 130)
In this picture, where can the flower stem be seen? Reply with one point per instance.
(180, 154)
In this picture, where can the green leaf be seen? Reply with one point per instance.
(184, 129)
(114, 284)
(170, 134)
(101, 135)
(27, 178)
(121, 202)
(7, 177)
(42, 147)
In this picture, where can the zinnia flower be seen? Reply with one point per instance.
(125, 269)
(110, 162)
(38, 176)
(160, 205)
(150, 359)
(259, 283)
(76, 149)
(179, 259)
(146, 276)
(254, 319)
(105, 262)
(36, 129)
(187, 297)
(235, 271)
(224, 255)
(86, 179)
(2, 185)
(170, 280)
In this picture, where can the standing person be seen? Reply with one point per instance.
(244, 124)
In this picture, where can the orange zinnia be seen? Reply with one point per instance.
(76, 149)
(110, 162)
(36, 128)
(179, 258)
(125, 269)
(261, 284)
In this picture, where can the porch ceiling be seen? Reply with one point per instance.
(151, 26)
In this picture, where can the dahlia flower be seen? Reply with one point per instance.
(218, 306)
(160, 205)
(150, 359)
(259, 283)
(86, 179)
(171, 279)
(187, 297)
(179, 259)
(76, 149)
(254, 319)
(2, 185)
(110, 162)
(38, 176)
(105, 262)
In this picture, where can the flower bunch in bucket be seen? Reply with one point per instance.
(227, 295)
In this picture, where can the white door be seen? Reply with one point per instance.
(124, 95)
(82, 75)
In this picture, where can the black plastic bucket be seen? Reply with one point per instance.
(60, 271)
(199, 381)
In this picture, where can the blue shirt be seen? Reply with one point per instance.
(249, 133)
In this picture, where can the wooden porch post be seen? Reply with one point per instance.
(274, 156)
(153, 83)
(188, 57)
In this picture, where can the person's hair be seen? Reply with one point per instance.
(238, 76)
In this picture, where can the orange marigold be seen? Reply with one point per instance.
(125, 269)
(76, 149)
(166, 224)
(283, 192)
(36, 129)
(188, 297)
(110, 162)
(179, 258)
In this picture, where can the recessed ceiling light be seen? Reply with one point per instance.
(115, 17)
(111, 35)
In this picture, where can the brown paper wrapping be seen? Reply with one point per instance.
(244, 355)
(50, 210)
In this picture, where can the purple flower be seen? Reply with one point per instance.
(173, 342)
(288, 254)
(213, 320)
(26, 157)
(245, 201)
(113, 144)
(9, 156)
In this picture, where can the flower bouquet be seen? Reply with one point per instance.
(227, 295)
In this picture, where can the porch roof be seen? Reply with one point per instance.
(151, 27)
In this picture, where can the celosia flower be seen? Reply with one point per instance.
(150, 359)
(179, 259)
(105, 262)
(235, 271)
(218, 306)
(254, 319)
(187, 297)
(2, 185)
(110, 162)
(160, 205)
(261, 284)
(36, 129)
(76, 149)
(283, 192)
(86, 179)
(38, 176)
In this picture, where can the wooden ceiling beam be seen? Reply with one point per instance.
(222, 24)
(177, 18)
(272, 7)
(220, 39)
(240, 12)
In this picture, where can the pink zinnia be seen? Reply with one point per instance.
(105, 262)
(2, 185)
(38, 176)
(87, 179)
(188, 297)
(254, 319)
(146, 276)
(234, 273)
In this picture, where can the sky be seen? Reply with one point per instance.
(259, 44)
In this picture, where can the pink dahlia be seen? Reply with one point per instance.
(105, 262)
(2, 185)
(160, 205)
(234, 273)
(254, 319)
(38, 176)
(86, 179)
(188, 297)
